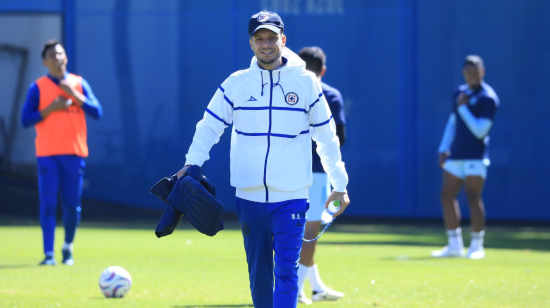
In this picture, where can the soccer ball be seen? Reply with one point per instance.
(115, 282)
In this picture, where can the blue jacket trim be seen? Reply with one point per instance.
(289, 109)
(322, 123)
(271, 134)
(251, 134)
(268, 133)
(252, 108)
(228, 101)
(315, 102)
(274, 108)
(225, 97)
(290, 136)
(218, 118)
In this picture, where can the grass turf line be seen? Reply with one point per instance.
(373, 266)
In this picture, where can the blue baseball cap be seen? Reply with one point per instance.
(265, 20)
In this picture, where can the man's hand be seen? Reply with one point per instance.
(59, 103)
(443, 157)
(344, 201)
(462, 99)
(182, 171)
(73, 92)
(67, 87)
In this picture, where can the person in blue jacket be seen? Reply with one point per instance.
(56, 106)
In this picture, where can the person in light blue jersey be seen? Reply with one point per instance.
(315, 60)
(463, 155)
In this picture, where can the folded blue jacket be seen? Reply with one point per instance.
(194, 196)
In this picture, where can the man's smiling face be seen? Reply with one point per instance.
(267, 46)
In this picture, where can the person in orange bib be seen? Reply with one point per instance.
(56, 105)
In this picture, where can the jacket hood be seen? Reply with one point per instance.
(292, 61)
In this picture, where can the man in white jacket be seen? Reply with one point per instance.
(276, 107)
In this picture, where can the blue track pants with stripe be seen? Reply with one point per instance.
(267, 228)
(59, 173)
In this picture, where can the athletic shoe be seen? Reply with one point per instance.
(303, 299)
(67, 257)
(48, 261)
(327, 295)
(476, 254)
(447, 252)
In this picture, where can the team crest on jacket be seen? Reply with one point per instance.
(291, 98)
(262, 17)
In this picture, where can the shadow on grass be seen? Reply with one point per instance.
(197, 306)
(17, 266)
(496, 241)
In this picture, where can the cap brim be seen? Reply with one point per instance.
(268, 27)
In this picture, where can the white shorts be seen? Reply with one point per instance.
(318, 195)
(461, 168)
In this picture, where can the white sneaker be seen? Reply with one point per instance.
(327, 295)
(303, 299)
(48, 261)
(447, 252)
(67, 257)
(476, 253)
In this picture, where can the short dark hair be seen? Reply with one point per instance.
(474, 60)
(315, 59)
(49, 44)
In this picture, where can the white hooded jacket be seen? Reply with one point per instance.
(274, 116)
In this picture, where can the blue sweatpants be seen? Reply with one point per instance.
(269, 227)
(59, 173)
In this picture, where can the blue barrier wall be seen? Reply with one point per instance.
(154, 65)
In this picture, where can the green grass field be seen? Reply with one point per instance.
(385, 266)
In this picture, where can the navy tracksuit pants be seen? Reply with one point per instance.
(59, 173)
(267, 228)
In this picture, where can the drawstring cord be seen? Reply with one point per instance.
(274, 85)
(278, 84)
(263, 84)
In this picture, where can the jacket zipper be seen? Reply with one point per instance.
(268, 136)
